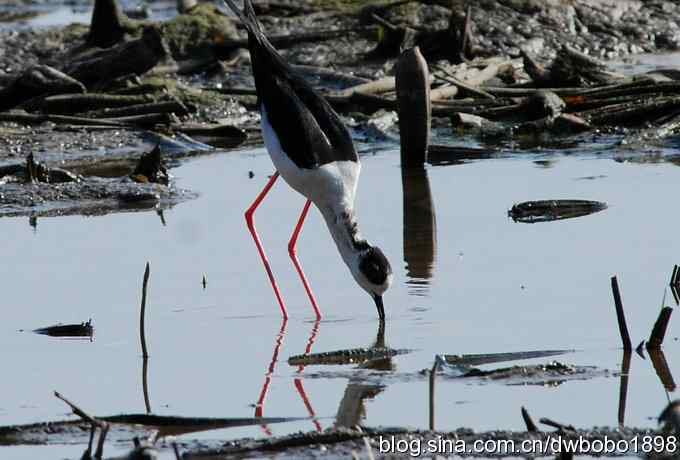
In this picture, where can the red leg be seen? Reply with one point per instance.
(259, 407)
(250, 214)
(292, 251)
(298, 381)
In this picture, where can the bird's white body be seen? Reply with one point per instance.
(333, 184)
(331, 187)
(312, 150)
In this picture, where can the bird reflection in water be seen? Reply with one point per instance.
(278, 342)
(352, 408)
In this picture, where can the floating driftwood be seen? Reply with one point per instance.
(84, 329)
(489, 358)
(553, 373)
(350, 356)
(548, 210)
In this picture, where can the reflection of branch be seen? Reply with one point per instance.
(298, 381)
(145, 384)
(623, 386)
(661, 367)
(433, 376)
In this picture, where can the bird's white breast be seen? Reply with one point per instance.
(331, 186)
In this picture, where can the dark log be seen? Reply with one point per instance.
(460, 30)
(635, 113)
(414, 106)
(109, 24)
(65, 104)
(226, 46)
(129, 57)
(549, 210)
(176, 107)
(84, 329)
(37, 81)
(120, 122)
(563, 124)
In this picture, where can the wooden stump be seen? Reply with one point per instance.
(414, 107)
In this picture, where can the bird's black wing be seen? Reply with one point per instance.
(309, 130)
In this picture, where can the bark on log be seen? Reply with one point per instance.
(64, 104)
(414, 106)
(176, 107)
(109, 24)
(131, 57)
(37, 81)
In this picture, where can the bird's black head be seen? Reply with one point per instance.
(374, 274)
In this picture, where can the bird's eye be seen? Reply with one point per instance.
(372, 269)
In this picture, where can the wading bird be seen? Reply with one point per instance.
(312, 150)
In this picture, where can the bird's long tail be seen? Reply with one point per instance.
(247, 16)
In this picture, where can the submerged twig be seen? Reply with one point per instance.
(621, 316)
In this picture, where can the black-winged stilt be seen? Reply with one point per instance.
(312, 150)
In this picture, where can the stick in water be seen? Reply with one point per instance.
(659, 329)
(620, 316)
(528, 421)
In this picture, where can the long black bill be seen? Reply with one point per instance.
(379, 304)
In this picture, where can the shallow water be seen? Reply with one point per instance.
(484, 284)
